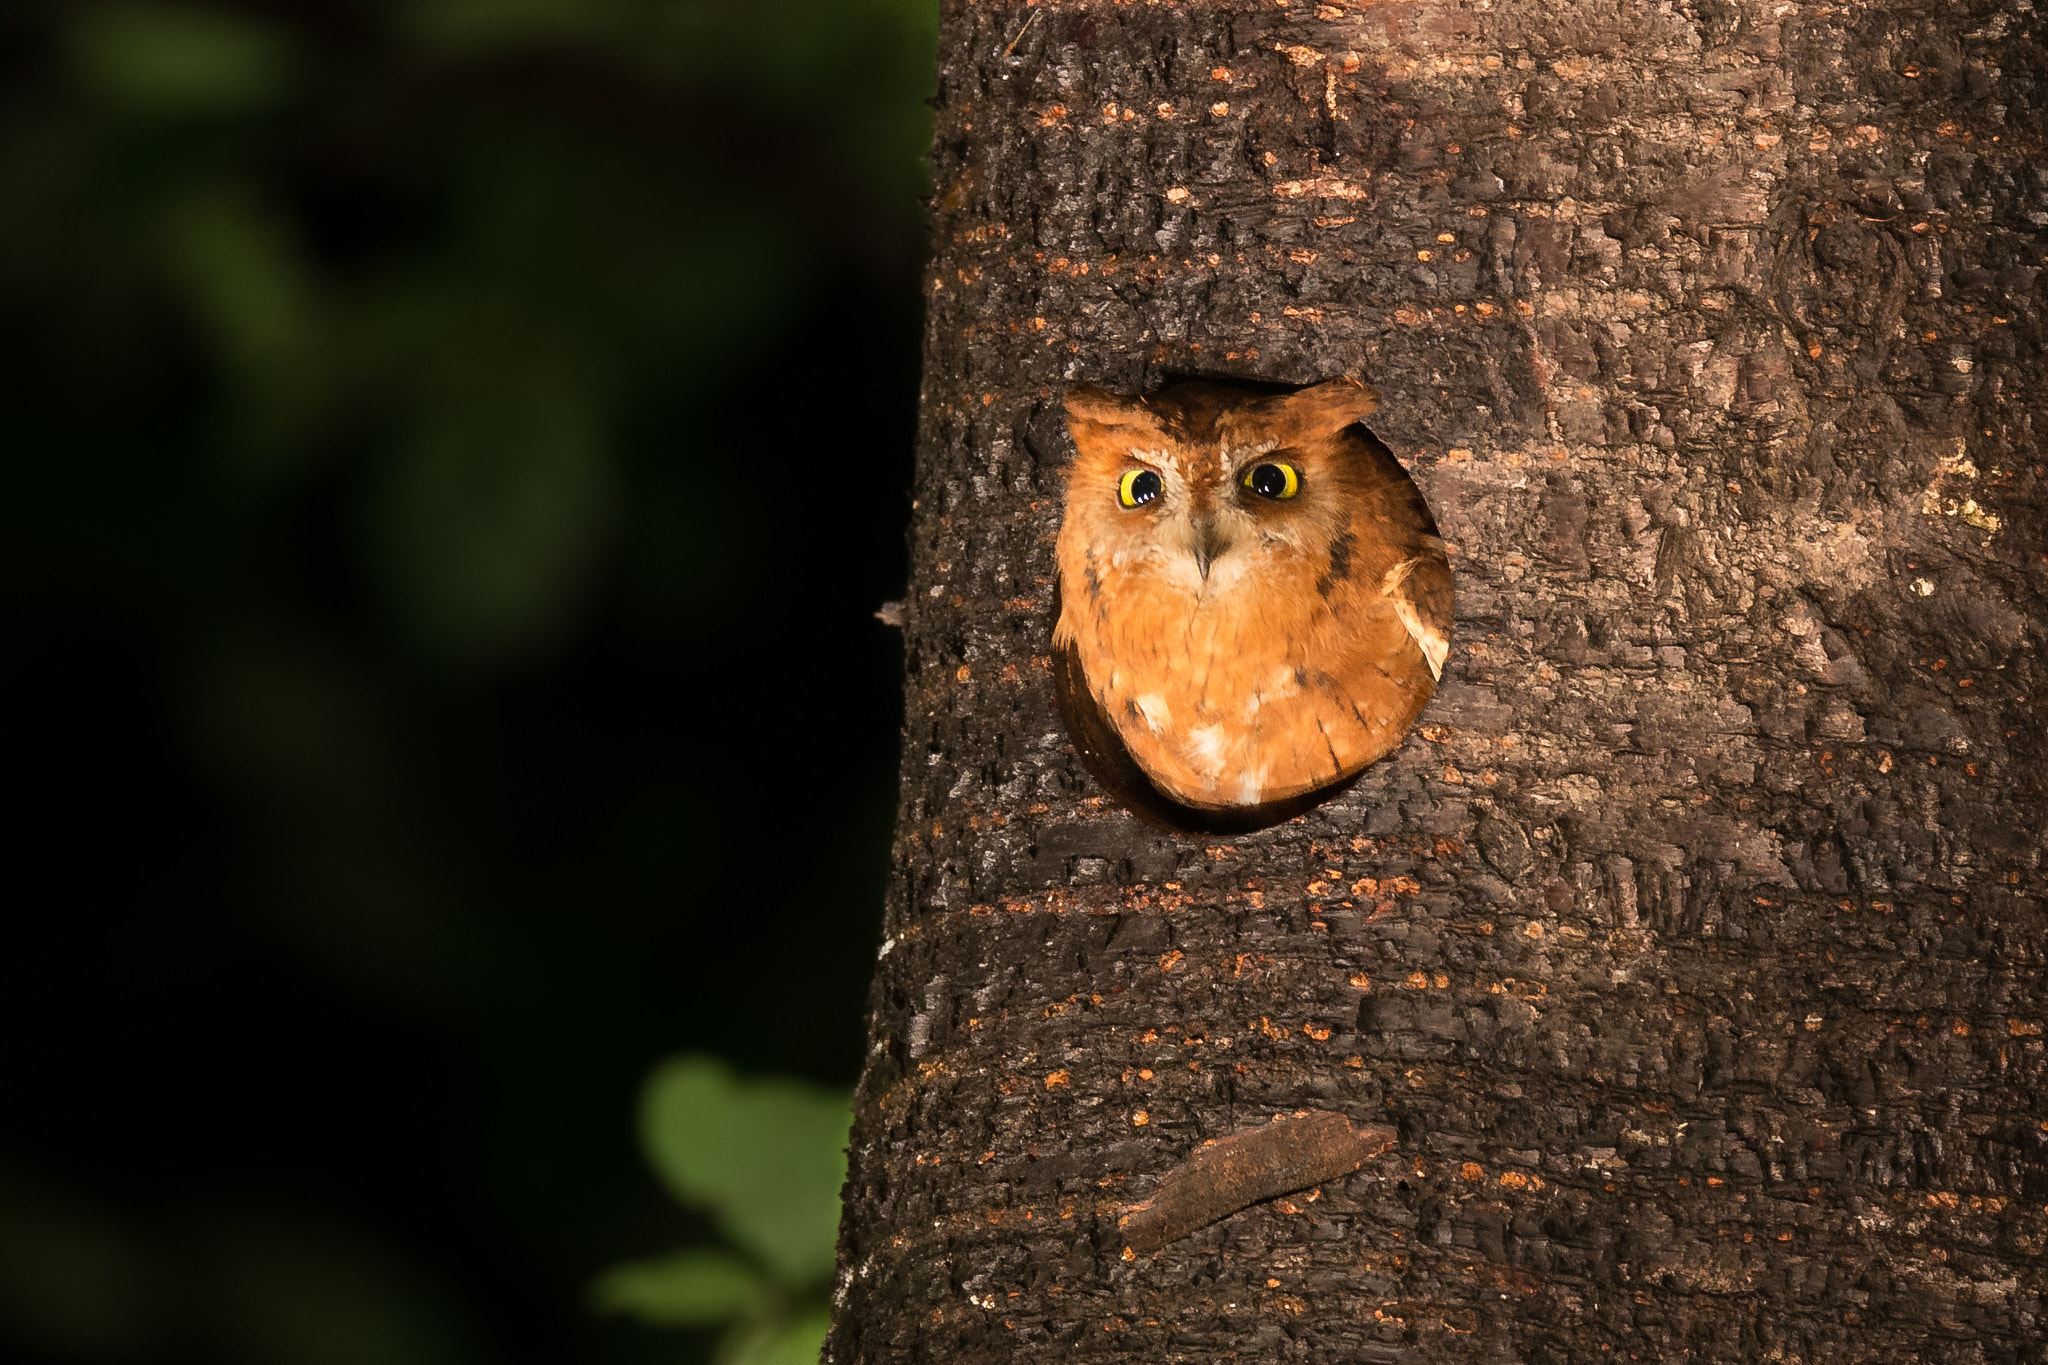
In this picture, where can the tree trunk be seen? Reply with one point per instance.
(1692, 944)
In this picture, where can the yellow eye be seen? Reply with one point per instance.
(1138, 487)
(1276, 481)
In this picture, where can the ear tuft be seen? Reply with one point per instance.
(1088, 403)
(1332, 406)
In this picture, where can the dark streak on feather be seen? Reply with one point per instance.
(1340, 564)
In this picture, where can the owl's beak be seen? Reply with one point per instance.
(1210, 542)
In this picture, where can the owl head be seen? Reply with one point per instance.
(1183, 478)
(1254, 602)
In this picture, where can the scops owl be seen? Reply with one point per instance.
(1254, 602)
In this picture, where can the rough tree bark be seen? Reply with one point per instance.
(1693, 944)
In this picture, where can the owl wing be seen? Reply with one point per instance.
(1417, 585)
(1419, 590)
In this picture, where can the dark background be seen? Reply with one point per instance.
(449, 455)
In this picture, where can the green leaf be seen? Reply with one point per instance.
(74, 1282)
(273, 1287)
(687, 1289)
(173, 59)
(492, 514)
(482, 24)
(244, 278)
(767, 1157)
(797, 1342)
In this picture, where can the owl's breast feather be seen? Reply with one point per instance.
(1236, 695)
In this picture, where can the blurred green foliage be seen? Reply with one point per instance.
(223, 1282)
(406, 408)
(491, 346)
(766, 1159)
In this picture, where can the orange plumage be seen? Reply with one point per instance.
(1253, 595)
